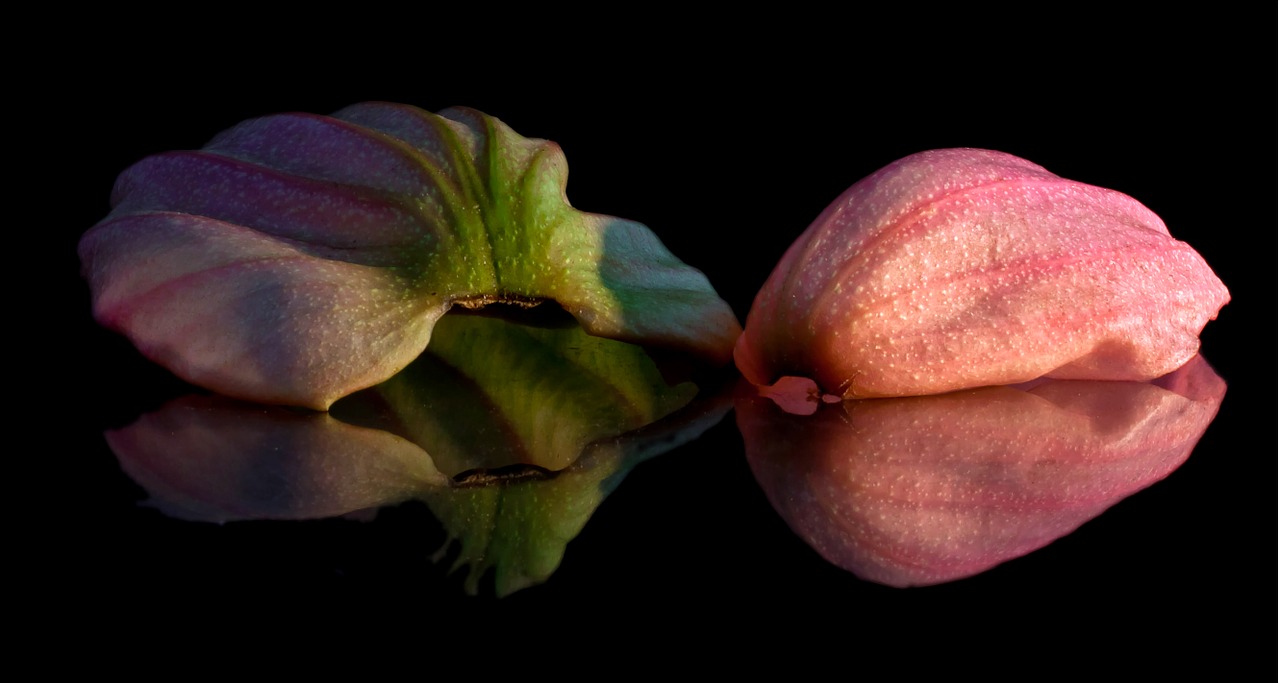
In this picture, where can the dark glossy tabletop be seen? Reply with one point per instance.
(728, 176)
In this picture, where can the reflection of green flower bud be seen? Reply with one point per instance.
(491, 400)
(490, 393)
(298, 258)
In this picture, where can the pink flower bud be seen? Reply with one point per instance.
(959, 268)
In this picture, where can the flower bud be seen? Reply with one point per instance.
(298, 258)
(959, 268)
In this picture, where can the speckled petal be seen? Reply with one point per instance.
(960, 268)
(250, 316)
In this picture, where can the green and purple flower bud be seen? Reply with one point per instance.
(298, 258)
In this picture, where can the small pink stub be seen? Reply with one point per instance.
(796, 395)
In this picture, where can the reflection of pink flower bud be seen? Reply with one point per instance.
(928, 489)
(962, 267)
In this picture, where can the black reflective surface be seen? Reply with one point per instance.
(728, 164)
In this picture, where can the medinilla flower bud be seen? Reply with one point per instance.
(959, 268)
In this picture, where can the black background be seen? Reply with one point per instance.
(727, 148)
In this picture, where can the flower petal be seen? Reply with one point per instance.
(252, 316)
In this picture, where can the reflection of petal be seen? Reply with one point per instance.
(926, 490)
(216, 460)
(298, 258)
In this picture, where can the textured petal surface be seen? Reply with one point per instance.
(233, 310)
(298, 258)
(960, 268)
